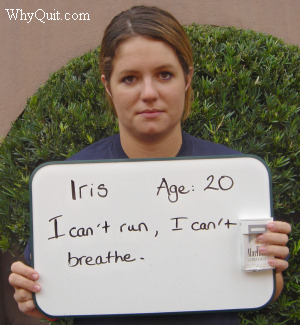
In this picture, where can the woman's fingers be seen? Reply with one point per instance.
(272, 238)
(277, 235)
(279, 264)
(24, 270)
(280, 227)
(24, 277)
(20, 282)
(274, 244)
(22, 295)
(28, 307)
(274, 250)
(23, 280)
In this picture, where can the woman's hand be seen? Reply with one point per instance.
(274, 244)
(23, 280)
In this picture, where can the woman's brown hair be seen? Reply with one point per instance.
(149, 22)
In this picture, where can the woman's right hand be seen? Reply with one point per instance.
(23, 280)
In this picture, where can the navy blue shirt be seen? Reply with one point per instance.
(110, 148)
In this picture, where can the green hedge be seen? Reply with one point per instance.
(246, 89)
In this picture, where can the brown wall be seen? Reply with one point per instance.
(30, 51)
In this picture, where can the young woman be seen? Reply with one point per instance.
(146, 67)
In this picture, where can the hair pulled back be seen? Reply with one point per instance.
(151, 22)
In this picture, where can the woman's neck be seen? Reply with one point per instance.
(152, 147)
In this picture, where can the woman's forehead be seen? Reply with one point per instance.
(145, 50)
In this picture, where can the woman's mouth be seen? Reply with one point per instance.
(151, 113)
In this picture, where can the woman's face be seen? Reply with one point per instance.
(147, 87)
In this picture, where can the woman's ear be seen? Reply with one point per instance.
(105, 83)
(189, 78)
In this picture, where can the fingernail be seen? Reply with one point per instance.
(262, 249)
(35, 276)
(259, 238)
(272, 262)
(271, 226)
(36, 288)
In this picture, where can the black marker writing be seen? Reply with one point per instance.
(139, 228)
(225, 183)
(81, 232)
(173, 191)
(55, 228)
(85, 190)
(176, 223)
(196, 225)
(228, 224)
(99, 260)
(105, 227)
(203, 226)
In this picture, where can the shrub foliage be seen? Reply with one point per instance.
(246, 96)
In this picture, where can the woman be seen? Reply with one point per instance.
(146, 68)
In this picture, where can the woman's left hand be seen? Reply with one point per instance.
(274, 244)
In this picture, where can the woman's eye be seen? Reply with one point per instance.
(128, 79)
(165, 75)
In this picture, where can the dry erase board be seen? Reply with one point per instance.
(147, 236)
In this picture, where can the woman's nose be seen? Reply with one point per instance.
(149, 90)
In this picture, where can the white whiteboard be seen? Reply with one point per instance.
(147, 236)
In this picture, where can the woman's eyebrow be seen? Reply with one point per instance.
(161, 67)
(128, 71)
(167, 65)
